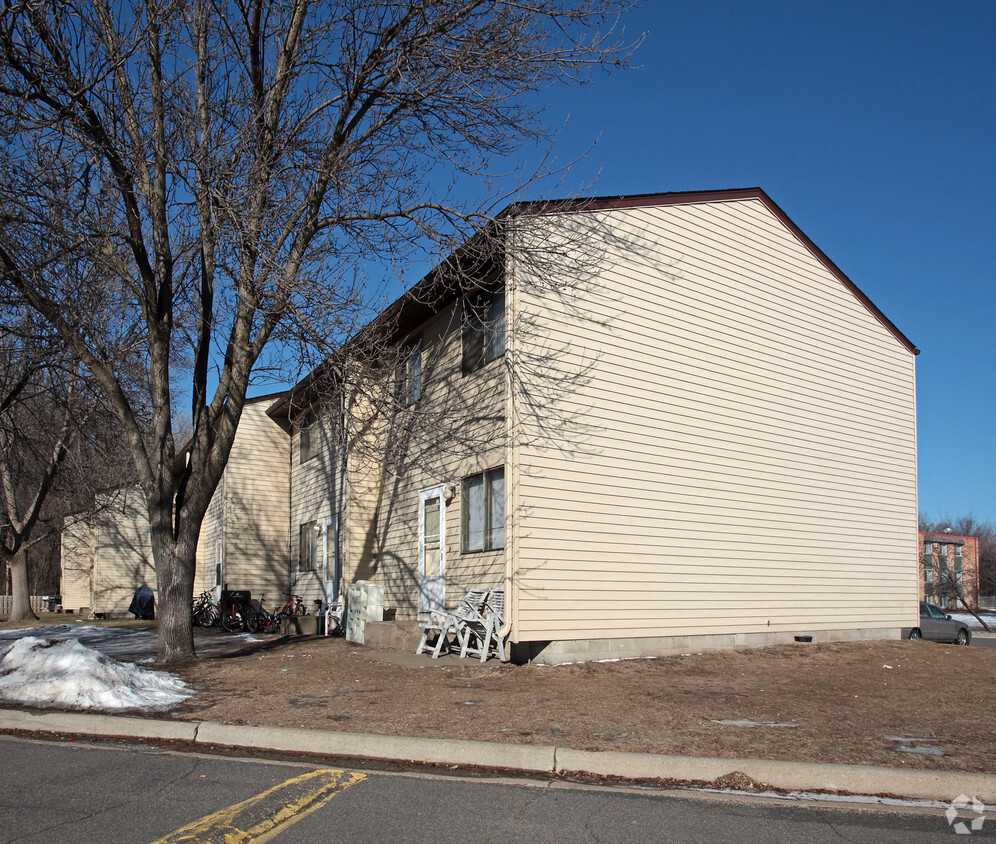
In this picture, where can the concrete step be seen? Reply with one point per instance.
(302, 625)
(392, 635)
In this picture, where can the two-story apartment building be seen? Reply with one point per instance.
(107, 554)
(662, 422)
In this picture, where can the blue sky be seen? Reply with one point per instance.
(873, 126)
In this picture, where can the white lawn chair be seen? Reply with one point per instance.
(444, 623)
(480, 637)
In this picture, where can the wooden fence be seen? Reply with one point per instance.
(38, 603)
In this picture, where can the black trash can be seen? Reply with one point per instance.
(143, 605)
(234, 596)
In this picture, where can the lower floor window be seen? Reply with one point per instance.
(308, 546)
(484, 511)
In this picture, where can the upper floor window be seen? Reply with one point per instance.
(483, 328)
(410, 377)
(307, 429)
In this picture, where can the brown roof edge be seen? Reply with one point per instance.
(268, 397)
(179, 459)
(646, 200)
(934, 536)
(833, 268)
(416, 296)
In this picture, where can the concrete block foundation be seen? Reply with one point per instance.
(588, 650)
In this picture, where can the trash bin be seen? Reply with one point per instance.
(234, 596)
(143, 605)
(53, 602)
(365, 603)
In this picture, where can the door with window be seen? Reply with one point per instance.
(431, 550)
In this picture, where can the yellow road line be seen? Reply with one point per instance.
(270, 812)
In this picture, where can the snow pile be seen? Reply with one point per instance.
(67, 674)
(988, 616)
(121, 643)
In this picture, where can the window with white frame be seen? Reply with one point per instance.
(484, 511)
(928, 571)
(483, 328)
(308, 546)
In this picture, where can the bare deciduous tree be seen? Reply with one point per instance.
(222, 171)
(54, 429)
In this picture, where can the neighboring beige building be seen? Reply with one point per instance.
(662, 422)
(243, 542)
(108, 555)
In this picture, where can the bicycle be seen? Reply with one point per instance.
(294, 606)
(237, 618)
(335, 617)
(267, 622)
(205, 610)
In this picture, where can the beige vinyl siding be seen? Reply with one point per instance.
(212, 532)
(256, 497)
(735, 439)
(77, 552)
(249, 511)
(313, 498)
(456, 429)
(122, 552)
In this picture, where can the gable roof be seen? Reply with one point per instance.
(448, 279)
(645, 200)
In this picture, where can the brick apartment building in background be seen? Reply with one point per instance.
(948, 565)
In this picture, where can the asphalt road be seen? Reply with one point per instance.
(58, 792)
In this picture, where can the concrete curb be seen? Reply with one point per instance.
(789, 776)
(522, 757)
(96, 725)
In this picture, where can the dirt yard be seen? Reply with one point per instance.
(847, 703)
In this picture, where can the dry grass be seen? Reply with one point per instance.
(845, 699)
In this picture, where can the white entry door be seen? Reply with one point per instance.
(431, 550)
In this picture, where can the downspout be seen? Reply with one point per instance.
(512, 473)
(342, 503)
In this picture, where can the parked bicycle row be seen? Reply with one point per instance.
(239, 613)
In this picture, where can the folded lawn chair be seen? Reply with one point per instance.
(444, 623)
(480, 637)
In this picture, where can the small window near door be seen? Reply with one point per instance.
(484, 511)
(308, 546)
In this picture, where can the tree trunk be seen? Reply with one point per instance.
(175, 576)
(21, 608)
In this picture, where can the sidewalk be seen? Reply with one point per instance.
(943, 786)
(826, 717)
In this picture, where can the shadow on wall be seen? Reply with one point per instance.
(456, 425)
(256, 544)
(123, 554)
